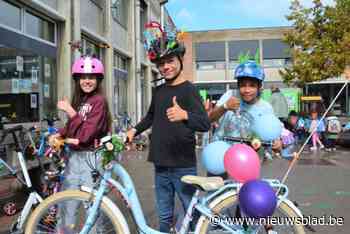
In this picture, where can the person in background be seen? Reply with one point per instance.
(314, 124)
(279, 103)
(333, 128)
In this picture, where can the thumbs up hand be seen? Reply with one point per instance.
(176, 113)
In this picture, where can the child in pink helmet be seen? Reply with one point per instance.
(89, 119)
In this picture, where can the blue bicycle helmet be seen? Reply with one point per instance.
(250, 69)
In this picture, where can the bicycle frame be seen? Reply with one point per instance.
(34, 198)
(129, 194)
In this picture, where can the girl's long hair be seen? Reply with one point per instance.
(78, 99)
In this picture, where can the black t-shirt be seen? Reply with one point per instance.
(173, 143)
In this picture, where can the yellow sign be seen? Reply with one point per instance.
(5, 105)
(310, 98)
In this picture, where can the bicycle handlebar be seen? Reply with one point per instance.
(246, 140)
(51, 121)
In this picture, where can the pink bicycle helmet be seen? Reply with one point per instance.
(88, 65)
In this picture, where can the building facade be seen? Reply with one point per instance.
(213, 55)
(36, 53)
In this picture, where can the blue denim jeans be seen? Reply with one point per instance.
(167, 182)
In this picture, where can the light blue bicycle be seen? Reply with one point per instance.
(215, 200)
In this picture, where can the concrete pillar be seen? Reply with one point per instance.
(64, 80)
(227, 61)
(132, 77)
(138, 61)
(76, 26)
(261, 52)
(108, 54)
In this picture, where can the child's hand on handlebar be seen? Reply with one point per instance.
(52, 138)
(130, 135)
(72, 141)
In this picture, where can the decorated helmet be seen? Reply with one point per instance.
(161, 43)
(87, 65)
(250, 69)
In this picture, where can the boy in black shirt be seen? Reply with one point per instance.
(175, 113)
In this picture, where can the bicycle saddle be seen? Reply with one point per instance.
(204, 183)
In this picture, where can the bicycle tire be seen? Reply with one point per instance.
(35, 222)
(229, 199)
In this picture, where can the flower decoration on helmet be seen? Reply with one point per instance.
(161, 43)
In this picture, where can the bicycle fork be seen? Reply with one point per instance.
(93, 211)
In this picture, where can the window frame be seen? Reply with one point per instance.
(29, 11)
(125, 8)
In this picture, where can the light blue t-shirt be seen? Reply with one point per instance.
(238, 123)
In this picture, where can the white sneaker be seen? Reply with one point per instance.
(334, 149)
(313, 148)
(322, 146)
(271, 232)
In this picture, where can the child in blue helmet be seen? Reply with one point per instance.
(236, 115)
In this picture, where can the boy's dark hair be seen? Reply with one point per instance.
(293, 113)
(249, 78)
(313, 110)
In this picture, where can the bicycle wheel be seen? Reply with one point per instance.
(226, 206)
(56, 215)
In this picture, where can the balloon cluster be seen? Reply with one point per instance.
(256, 197)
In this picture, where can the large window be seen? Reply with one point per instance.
(27, 85)
(244, 48)
(210, 55)
(120, 11)
(120, 84)
(275, 53)
(23, 19)
(10, 15)
(39, 27)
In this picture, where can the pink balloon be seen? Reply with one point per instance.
(242, 163)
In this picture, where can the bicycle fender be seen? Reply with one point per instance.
(233, 193)
(293, 207)
(221, 197)
(116, 211)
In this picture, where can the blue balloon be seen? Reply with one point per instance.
(267, 127)
(257, 199)
(213, 157)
